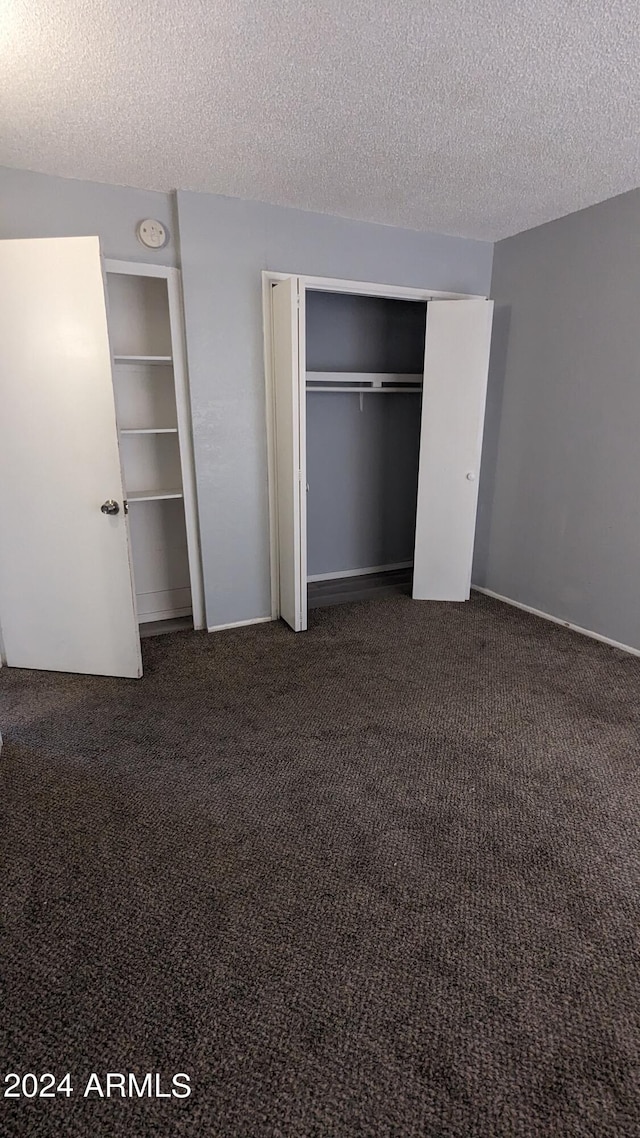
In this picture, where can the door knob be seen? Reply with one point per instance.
(110, 507)
(471, 476)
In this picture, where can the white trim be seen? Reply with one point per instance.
(240, 623)
(270, 412)
(323, 284)
(185, 435)
(358, 572)
(367, 288)
(183, 406)
(557, 620)
(139, 269)
(302, 451)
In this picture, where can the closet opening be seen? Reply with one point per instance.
(375, 409)
(364, 359)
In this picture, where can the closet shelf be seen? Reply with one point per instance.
(148, 430)
(395, 390)
(152, 495)
(361, 382)
(143, 359)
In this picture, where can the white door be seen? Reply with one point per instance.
(453, 401)
(66, 589)
(291, 479)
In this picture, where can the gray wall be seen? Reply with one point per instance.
(36, 205)
(362, 471)
(559, 517)
(362, 461)
(559, 521)
(364, 333)
(225, 243)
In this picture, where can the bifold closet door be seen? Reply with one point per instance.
(457, 343)
(291, 480)
(66, 589)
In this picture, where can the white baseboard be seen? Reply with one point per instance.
(358, 572)
(163, 614)
(240, 623)
(557, 620)
(163, 604)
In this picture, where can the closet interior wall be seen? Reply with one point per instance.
(362, 448)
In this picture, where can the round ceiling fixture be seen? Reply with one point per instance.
(152, 233)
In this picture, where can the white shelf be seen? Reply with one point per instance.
(343, 387)
(148, 430)
(363, 382)
(143, 359)
(152, 495)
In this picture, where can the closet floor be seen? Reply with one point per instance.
(160, 627)
(369, 587)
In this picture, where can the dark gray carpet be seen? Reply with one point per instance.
(380, 879)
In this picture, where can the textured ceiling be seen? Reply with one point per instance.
(475, 117)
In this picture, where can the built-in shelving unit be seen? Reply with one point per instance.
(155, 441)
